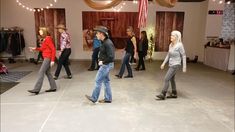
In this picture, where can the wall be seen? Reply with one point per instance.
(214, 22)
(194, 24)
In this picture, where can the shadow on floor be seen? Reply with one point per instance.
(6, 86)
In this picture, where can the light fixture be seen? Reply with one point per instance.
(135, 1)
(118, 9)
(20, 3)
(229, 2)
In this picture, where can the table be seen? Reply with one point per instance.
(217, 57)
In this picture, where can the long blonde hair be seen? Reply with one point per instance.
(178, 36)
(45, 31)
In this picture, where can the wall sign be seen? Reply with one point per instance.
(215, 12)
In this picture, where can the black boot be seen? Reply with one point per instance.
(33, 91)
(161, 96)
(173, 95)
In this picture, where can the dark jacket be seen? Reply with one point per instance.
(107, 51)
(144, 46)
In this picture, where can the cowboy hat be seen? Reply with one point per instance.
(102, 29)
(61, 26)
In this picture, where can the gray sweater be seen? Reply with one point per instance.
(175, 55)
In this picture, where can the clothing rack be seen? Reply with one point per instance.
(22, 50)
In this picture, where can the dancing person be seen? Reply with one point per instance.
(142, 48)
(94, 57)
(48, 52)
(106, 62)
(176, 55)
(130, 49)
(65, 51)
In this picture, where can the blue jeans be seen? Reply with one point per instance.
(170, 77)
(94, 61)
(102, 76)
(125, 62)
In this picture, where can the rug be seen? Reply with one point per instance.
(13, 76)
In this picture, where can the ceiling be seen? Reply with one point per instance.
(191, 0)
(201, 0)
(179, 0)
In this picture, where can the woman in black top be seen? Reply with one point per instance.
(142, 50)
(130, 49)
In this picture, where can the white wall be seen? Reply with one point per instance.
(194, 24)
(214, 22)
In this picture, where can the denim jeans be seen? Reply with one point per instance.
(94, 61)
(102, 76)
(125, 62)
(170, 77)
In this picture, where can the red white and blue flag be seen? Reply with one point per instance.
(143, 12)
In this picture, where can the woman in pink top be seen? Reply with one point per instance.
(65, 51)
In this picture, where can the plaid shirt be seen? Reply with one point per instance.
(65, 41)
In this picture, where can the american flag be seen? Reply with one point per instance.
(143, 11)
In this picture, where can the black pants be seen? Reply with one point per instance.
(141, 60)
(94, 61)
(39, 57)
(63, 61)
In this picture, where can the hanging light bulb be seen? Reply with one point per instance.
(118, 8)
(220, 2)
(31, 9)
(229, 2)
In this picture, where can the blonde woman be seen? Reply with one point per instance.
(175, 56)
(48, 52)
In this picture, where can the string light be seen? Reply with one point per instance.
(118, 9)
(221, 2)
(31, 8)
(135, 1)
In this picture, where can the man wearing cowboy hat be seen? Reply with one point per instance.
(65, 51)
(106, 63)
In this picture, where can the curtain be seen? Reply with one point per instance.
(165, 23)
(116, 22)
(50, 18)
